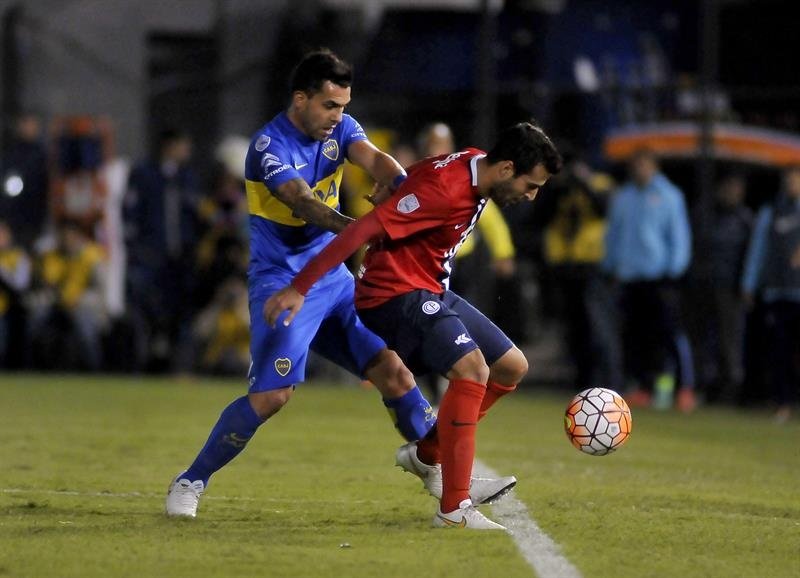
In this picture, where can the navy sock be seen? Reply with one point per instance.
(413, 416)
(236, 425)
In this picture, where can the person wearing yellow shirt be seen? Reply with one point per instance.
(71, 277)
(15, 276)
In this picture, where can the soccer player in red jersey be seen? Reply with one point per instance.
(402, 295)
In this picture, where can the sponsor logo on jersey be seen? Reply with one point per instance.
(280, 169)
(330, 148)
(283, 365)
(430, 307)
(447, 160)
(262, 143)
(298, 166)
(462, 339)
(269, 160)
(408, 204)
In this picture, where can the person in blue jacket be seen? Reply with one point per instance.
(648, 248)
(772, 269)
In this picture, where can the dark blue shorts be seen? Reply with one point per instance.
(327, 324)
(432, 332)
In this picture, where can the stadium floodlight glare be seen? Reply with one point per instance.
(13, 185)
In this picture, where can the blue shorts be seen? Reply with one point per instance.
(432, 332)
(327, 324)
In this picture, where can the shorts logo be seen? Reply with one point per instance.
(262, 143)
(430, 307)
(330, 149)
(462, 339)
(283, 365)
(408, 204)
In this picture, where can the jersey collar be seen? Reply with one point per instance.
(473, 168)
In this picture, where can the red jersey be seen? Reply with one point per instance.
(427, 220)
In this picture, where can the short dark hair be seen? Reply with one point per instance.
(526, 145)
(317, 67)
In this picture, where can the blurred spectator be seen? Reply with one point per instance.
(772, 270)
(573, 215)
(222, 330)
(23, 168)
(15, 277)
(648, 248)
(404, 154)
(434, 140)
(728, 233)
(222, 251)
(78, 191)
(69, 302)
(161, 233)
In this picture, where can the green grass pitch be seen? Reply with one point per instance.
(85, 462)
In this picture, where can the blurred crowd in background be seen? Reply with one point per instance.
(624, 273)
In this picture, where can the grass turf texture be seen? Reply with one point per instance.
(85, 461)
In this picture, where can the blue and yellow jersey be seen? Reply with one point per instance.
(279, 242)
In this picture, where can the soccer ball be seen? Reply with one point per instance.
(597, 421)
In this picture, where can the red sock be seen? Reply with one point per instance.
(494, 391)
(457, 423)
(428, 448)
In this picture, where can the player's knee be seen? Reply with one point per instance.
(268, 403)
(390, 375)
(472, 367)
(510, 369)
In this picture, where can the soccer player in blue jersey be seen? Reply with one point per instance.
(293, 172)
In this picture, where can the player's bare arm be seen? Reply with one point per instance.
(382, 167)
(297, 195)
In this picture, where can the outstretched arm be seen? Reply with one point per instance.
(292, 297)
(382, 167)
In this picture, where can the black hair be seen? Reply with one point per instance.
(317, 67)
(526, 145)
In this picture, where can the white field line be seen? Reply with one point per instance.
(538, 549)
(44, 492)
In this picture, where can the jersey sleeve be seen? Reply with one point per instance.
(420, 203)
(274, 162)
(351, 131)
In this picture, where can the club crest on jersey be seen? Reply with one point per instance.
(330, 148)
(408, 204)
(262, 143)
(283, 365)
(430, 307)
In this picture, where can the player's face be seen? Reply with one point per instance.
(321, 112)
(513, 190)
